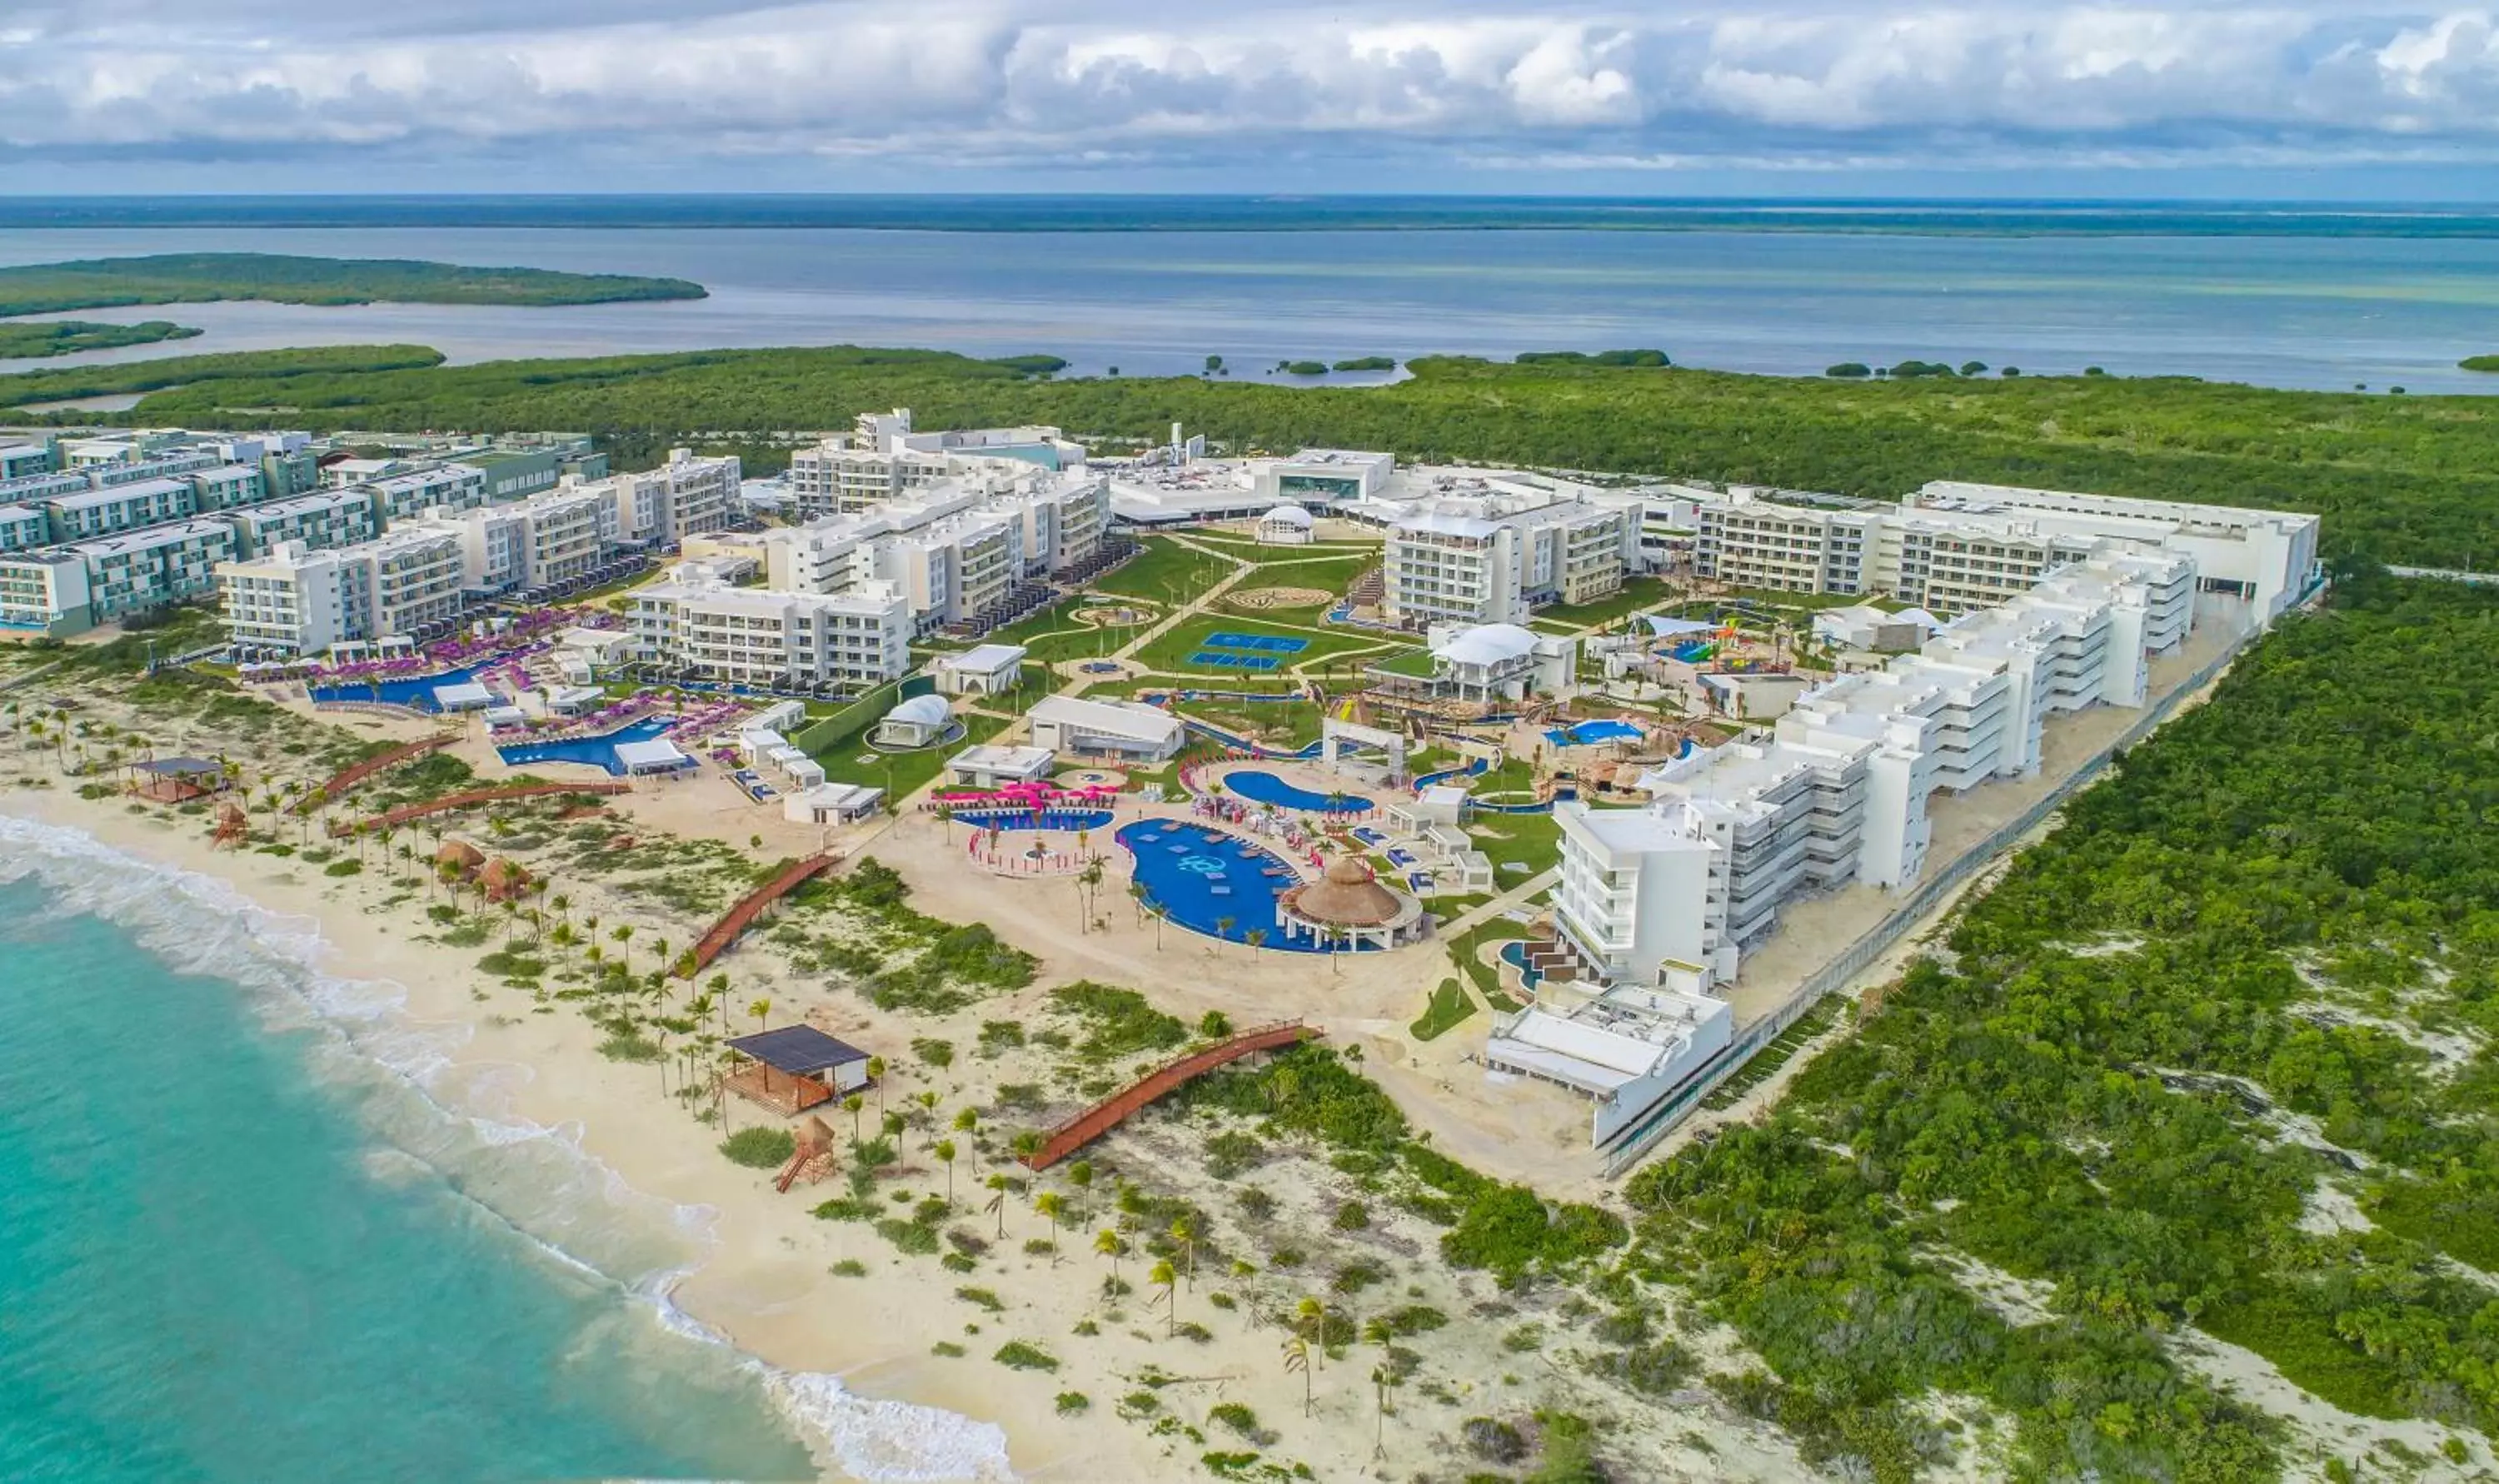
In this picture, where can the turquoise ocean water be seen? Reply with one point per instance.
(245, 1236)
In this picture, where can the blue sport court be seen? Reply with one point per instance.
(1235, 662)
(1274, 644)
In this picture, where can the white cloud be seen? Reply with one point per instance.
(942, 81)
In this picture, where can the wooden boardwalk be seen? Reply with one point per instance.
(735, 921)
(1103, 1116)
(393, 819)
(348, 777)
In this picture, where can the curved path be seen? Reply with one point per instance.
(392, 819)
(735, 921)
(1103, 1116)
(348, 777)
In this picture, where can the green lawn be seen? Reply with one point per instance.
(1486, 978)
(1533, 838)
(1451, 1005)
(1329, 577)
(1278, 724)
(1250, 551)
(901, 774)
(1170, 653)
(1638, 594)
(1165, 572)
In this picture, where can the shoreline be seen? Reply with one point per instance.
(864, 1411)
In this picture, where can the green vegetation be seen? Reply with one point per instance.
(1608, 358)
(2406, 479)
(64, 336)
(760, 1149)
(1165, 571)
(1449, 1006)
(1849, 370)
(2246, 930)
(205, 277)
(1367, 363)
(1302, 367)
(2480, 363)
(1020, 1355)
(1119, 1023)
(269, 373)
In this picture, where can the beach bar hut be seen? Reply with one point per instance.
(795, 1068)
(178, 780)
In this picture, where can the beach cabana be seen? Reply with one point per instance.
(178, 780)
(795, 1068)
(655, 754)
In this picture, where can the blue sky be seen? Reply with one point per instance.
(1867, 97)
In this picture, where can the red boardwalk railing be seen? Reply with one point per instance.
(392, 819)
(348, 777)
(1103, 1116)
(725, 931)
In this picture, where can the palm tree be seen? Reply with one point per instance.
(876, 1074)
(968, 1121)
(852, 1106)
(945, 1150)
(1137, 897)
(1256, 938)
(562, 906)
(1184, 1230)
(1107, 1242)
(1050, 1204)
(997, 1207)
(927, 1100)
(1223, 928)
(1297, 1357)
(1170, 1280)
(1311, 1316)
(758, 1009)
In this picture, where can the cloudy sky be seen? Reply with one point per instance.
(1837, 97)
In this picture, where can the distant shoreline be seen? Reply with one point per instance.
(1096, 214)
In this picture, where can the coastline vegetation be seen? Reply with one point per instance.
(2480, 363)
(67, 337)
(266, 371)
(2403, 479)
(204, 277)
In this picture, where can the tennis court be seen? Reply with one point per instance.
(1235, 662)
(1274, 644)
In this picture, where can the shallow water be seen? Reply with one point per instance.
(255, 1230)
(2316, 311)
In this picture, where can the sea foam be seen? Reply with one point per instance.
(536, 1178)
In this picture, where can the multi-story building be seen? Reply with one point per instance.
(1838, 790)
(295, 600)
(22, 528)
(884, 460)
(138, 571)
(539, 545)
(20, 460)
(1956, 548)
(1496, 558)
(134, 506)
(805, 641)
(324, 518)
(45, 593)
(687, 495)
(228, 487)
(410, 493)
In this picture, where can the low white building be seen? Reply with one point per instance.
(922, 721)
(994, 767)
(1485, 661)
(1287, 525)
(1128, 732)
(990, 669)
(832, 803)
(1623, 1046)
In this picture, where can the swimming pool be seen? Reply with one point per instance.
(1260, 787)
(1589, 733)
(413, 692)
(1199, 877)
(1034, 819)
(598, 751)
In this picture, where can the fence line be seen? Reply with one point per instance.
(1645, 1134)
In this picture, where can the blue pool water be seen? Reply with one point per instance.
(1260, 787)
(1199, 876)
(258, 1250)
(598, 751)
(1514, 954)
(1036, 819)
(416, 692)
(1588, 734)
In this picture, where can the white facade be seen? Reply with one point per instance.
(301, 601)
(324, 518)
(783, 640)
(142, 569)
(882, 460)
(24, 528)
(1838, 790)
(444, 486)
(131, 506)
(1127, 729)
(1486, 661)
(1492, 549)
(44, 592)
(2268, 558)
(687, 495)
(985, 671)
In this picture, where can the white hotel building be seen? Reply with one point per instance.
(297, 600)
(885, 460)
(847, 641)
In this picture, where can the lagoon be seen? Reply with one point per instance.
(2294, 311)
